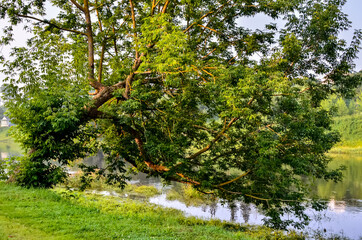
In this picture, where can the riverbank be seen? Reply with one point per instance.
(346, 150)
(7, 142)
(4, 134)
(44, 214)
(350, 128)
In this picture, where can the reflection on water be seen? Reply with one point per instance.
(245, 210)
(339, 218)
(4, 155)
(10, 148)
(343, 215)
(227, 212)
(350, 187)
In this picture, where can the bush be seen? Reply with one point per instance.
(33, 172)
(9, 168)
(3, 175)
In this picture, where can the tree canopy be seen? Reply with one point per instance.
(183, 90)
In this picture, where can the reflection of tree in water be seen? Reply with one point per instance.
(213, 208)
(140, 178)
(348, 195)
(144, 179)
(233, 208)
(245, 210)
(4, 155)
(96, 160)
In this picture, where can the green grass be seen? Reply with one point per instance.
(4, 135)
(44, 214)
(7, 144)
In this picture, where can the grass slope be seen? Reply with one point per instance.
(44, 214)
(350, 128)
(7, 144)
(4, 136)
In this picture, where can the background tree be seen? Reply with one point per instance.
(2, 111)
(342, 107)
(174, 89)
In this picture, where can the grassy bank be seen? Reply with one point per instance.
(346, 150)
(350, 128)
(4, 134)
(7, 144)
(44, 214)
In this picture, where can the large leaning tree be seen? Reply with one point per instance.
(181, 89)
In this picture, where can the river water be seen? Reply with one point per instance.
(343, 215)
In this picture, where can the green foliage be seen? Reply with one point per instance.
(3, 175)
(345, 106)
(173, 88)
(347, 120)
(30, 173)
(9, 168)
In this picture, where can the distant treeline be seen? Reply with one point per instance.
(344, 107)
(350, 128)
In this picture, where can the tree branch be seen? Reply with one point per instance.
(235, 179)
(77, 5)
(101, 62)
(154, 5)
(208, 53)
(207, 14)
(213, 141)
(51, 24)
(99, 19)
(134, 26)
(165, 6)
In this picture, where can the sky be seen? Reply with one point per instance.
(353, 8)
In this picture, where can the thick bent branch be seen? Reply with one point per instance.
(235, 179)
(221, 133)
